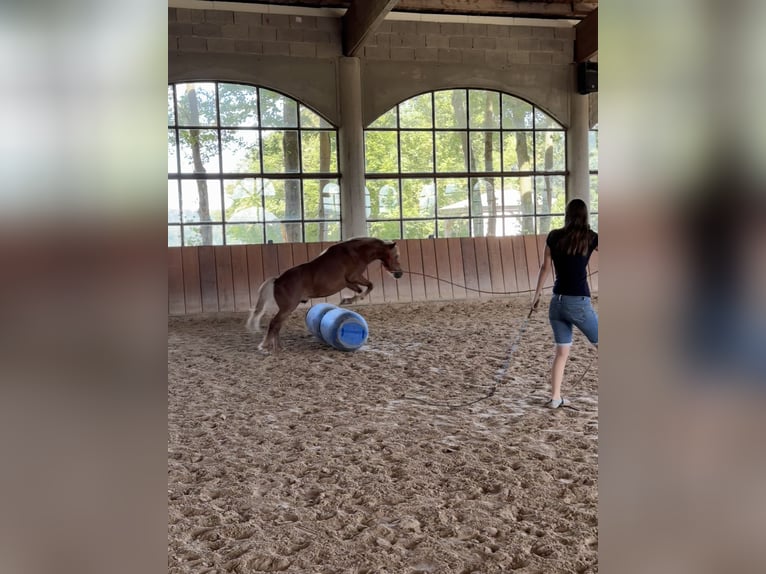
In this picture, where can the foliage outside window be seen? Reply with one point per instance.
(460, 163)
(593, 167)
(248, 165)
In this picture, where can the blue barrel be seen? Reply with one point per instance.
(340, 328)
(314, 317)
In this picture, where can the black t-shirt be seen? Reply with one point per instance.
(571, 270)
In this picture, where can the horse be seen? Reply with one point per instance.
(340, 265)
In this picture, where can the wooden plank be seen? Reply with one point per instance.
(404, 285)
(533, 259)
(470, 271)
(586, 37)
(509, 265)
(360, 22)
(428, 253)
(456, 268)
(270, 261)
(417, 282)
(375, 276)
(284, 256)
(443, 268)
(390, 286)
(495, 265)
(176, 300)
(520, 258)
(192, 282)
(482, 266)
(335, 299)
(255, 270)
(224, 277)
(240, 276)
(208, 279)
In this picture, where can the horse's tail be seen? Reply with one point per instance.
(265, 300)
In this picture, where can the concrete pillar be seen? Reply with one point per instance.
(578, 184)
(351, 144)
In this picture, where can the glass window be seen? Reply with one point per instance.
(221, 138)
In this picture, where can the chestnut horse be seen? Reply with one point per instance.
(341, 265)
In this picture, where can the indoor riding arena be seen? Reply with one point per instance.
(457, 130)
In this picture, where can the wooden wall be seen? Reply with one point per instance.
(226, 278)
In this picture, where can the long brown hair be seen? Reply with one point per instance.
(577, 235)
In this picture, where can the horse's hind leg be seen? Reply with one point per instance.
(272, 334)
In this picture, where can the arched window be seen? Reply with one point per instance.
(464, 163)
(248, 165)
(593, 167)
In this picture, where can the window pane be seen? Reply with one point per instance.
(452, 197)
(174, 236)
(239, 105)
(453, 228)
(244, 233)
(518, 195)
(278, 111)
(419, 229)
(384, 229)
(485, 147)
(594, 222)
(544, 121)
(283, 199)
(483, 109)
(174, 202)
(550, 152)
(382, 197)
(171, 107)
(326, 206)
(322, 231)
(196, 104)
(418, 198)
(416, 112)
(549, 222)
(203, 234)
(241, 151)
(243, 199)
(199, 151)
(283, 232)
(450, 108)
(387, 120)
(593, 194)
(280, 152)
(517, 114)
(172, 152)
(550, 193)
(517, 151)
(309, 119)
(593, 150)
(485, 196)
(417, 151)
(319, 151)
(380, 152)
(486, 226)
(201, 200)
(518, 226)
(451, 151)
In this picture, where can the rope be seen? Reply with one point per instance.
(483, 290)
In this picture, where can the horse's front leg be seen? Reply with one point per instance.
(354, 285)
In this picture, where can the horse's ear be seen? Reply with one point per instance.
(392, 245)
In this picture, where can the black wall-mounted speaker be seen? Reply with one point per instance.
(587, 77)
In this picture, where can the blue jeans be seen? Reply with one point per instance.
(568, 310)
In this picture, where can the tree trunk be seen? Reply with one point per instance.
(460, 116)
(548, 197)
(292, 232)
(204, 203)
(489, 166)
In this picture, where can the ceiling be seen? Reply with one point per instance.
(551, 9)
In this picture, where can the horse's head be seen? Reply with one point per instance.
(390, 259)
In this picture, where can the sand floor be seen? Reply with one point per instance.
(318, 461)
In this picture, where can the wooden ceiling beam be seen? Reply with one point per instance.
(549, 9)
(361, 20)
(586, 37)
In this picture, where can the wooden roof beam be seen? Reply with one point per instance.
(586, 37)
(361, 20)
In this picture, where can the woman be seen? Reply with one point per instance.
(570, 249)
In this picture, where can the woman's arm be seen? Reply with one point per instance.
(545, 268)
